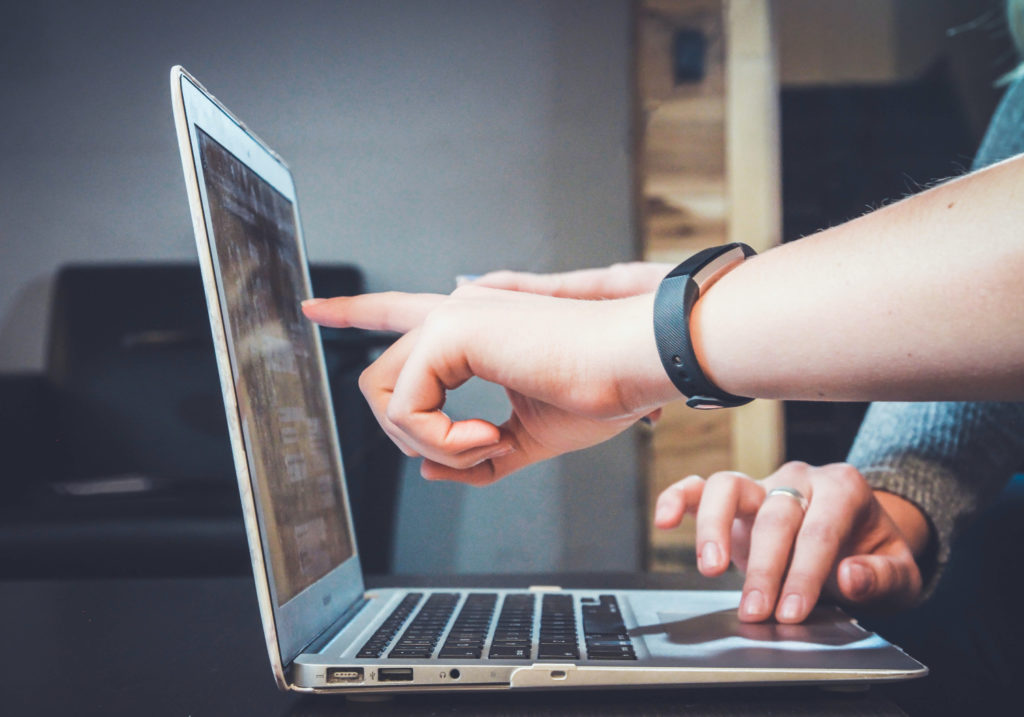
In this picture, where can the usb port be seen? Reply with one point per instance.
(339, 675)
(394, 674)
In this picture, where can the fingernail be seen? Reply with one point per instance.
(313, 302)
(500, 452)
(710, 556)
(753, 604)
(861, 580)
(463, 279)
(792, 607)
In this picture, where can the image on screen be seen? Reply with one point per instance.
(277, 374)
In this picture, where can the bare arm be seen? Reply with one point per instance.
(921, 300)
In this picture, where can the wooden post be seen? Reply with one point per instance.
(754, 179)
(707, 172)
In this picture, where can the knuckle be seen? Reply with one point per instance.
(682, 484)
(467, 291)
(501, 276)
(369, 384)
(789, 475)
(440, 317)
(690, 480)
(590, 402)
(818, 531)
(759, 576)
(398, 441)
(395, 415)
(773, 521)
(803, 581)
(846, 475)
(621, 271)
(727, 480)
(461, 463)
(487, 475)
(560, 285)
(790, 471)
(850, 480)
(893, 576)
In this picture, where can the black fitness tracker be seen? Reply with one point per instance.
(677, 294)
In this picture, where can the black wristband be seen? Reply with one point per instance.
(677, 294)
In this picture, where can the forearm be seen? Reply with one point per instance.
(921, 300)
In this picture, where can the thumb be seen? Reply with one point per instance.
(891, 579)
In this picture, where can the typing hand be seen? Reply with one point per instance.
(851, 542)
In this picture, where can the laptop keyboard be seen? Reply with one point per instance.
(512, 638)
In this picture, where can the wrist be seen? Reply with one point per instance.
(636, 365)
(909, 519)
(678, 295)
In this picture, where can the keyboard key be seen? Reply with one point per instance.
(518, 653)
(559, 639)
(605, 632)
(382, 637)
(469, 631)
(410, 653)
(473, 653)
(558, 653)
(423, 634)
(513, 635)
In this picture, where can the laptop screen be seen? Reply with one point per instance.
(278, 376)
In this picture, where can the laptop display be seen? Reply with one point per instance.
(281, 403)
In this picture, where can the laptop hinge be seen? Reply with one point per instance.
(320, 641)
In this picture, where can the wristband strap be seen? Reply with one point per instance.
(677, 294)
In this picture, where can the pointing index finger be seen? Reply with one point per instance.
(386, 311)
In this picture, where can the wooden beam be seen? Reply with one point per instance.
(707, 172)
(754, 181)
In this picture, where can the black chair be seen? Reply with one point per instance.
(118, 455)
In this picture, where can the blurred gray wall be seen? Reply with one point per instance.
(428, 139)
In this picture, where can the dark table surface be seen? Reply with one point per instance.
(195, 647)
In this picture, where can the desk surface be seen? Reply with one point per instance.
(195, 647)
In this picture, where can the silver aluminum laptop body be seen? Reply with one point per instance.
(324, 631)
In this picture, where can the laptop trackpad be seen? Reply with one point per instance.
(703, 626)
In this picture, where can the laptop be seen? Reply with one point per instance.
(325, 632)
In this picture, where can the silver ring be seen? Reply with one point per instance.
(790, 493)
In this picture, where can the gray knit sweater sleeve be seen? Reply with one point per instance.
(949, 459)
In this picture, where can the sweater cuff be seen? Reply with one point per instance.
(922, 483)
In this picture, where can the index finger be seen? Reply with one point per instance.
(385, 311)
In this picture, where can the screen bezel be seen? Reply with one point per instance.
(290, 627)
